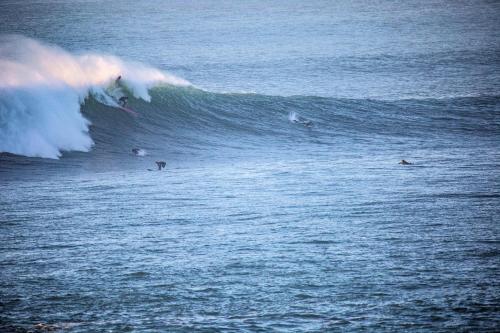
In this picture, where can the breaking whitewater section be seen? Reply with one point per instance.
(42, 88)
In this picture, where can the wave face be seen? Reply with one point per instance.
(188, 122)
(43, 86)
(53, 101)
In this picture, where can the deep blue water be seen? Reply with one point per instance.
(258, 223)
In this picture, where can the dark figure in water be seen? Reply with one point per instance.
(307, 123)
(123, 101)
(161, 164)
(136, 151)
(403, 162)
(302, 121)
(118, 79)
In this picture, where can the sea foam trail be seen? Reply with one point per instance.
(43, 86)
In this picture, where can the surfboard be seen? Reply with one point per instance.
(128, 110)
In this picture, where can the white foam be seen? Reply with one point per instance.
(293, 117)
(42, 87)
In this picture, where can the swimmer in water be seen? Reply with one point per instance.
(161, 165)
(404, 162)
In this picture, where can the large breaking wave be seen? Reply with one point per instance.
(43, 86)
(53, 101)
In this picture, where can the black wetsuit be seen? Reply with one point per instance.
(123, 100)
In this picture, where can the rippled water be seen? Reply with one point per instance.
(326, 244)
(259, 224)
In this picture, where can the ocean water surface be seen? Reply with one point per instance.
(282, 207)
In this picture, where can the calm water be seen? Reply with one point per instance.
(258, 223)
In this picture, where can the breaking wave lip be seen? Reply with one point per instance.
(42, 88)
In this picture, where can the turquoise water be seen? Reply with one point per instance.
(259, 223)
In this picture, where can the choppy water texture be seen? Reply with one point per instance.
(259, 223)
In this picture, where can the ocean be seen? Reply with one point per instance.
(282, 206)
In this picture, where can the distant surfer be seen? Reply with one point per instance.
(161, 165)
(302, 121)
(404, 162)
(41, 327)
(139, 152)
(123, 101)
(296, 119)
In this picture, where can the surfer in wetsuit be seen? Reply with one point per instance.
(161, 165)
(303, 121)
(404, 162)
(123, 101)
(296, 119)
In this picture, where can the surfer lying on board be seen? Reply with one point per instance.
(296, 119)
(302, 121)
